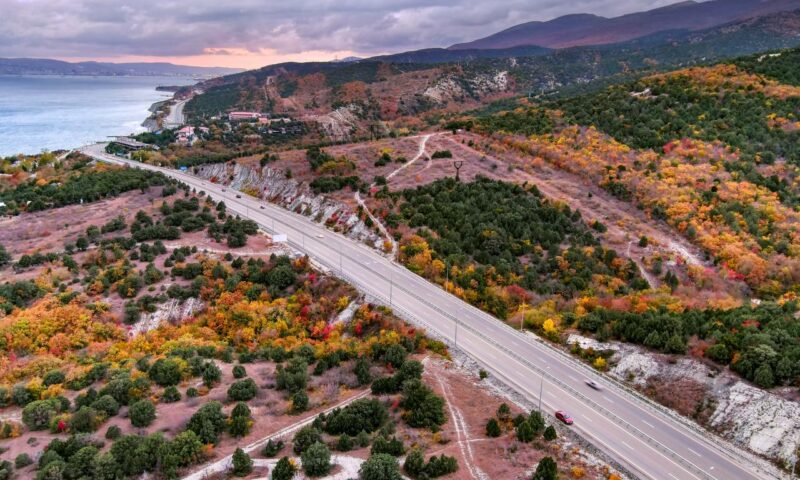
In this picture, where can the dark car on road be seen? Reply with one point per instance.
(564, 417)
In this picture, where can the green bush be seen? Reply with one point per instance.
(239, 371)
(423, 408)
(272, 448)
(366, 414)
(37, 414)
(380, 466)
(106, 404)
(142, 413)
(546, 470)
(22, 460)
(284, 470)
(113, 432)
(493, 428)
(299, 401)
(393, 446)
(316, 460)
(525, 432)
(242, 390)
(171, 395)
(304, 438)
(550, 433)
(208, 422)
(242, 463)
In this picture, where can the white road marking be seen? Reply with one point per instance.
(608, 399)
(623, 442)
(648, 424)
(687, 448)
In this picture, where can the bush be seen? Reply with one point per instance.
(493, 428)
(107, 405)
(86, 420)
(165, 372)
(414, 464)
(366, 414)
(546, 470)
(525, 432)
(550, 433)
(242, 463)
(208, 422)
(441, 465)
(423, 407)
(316, 460)
(294, 376)
(170, 395)
(361, 370)
(53, 377)
(380, 466)
(142, 413)
(299, 401)
(22, 460)
(239, 371)
(362, 439)
(242, 390)
(537, 421)
(240, 421)
(392, 446)
(113, 432)
(272, 448)
(395, 355)
(37, 415)
(284, 470)
(211, 374)
(304, 438)
(344, 443)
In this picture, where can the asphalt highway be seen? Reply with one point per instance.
(647, 441)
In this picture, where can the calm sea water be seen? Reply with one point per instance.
(41, 112)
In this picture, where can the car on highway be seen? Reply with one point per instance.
(564, 417)
(261, 207)
(238, 196)
(224, 190)
(594, 385)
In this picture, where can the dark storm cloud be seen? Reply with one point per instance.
(103, 28)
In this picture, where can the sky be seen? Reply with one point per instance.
(253, 33)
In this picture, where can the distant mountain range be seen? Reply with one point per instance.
(40, 66)
(586, 29)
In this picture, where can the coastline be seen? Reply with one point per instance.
(98, 107)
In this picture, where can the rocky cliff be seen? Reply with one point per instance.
(272, 185)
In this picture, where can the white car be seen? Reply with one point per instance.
(594, 385)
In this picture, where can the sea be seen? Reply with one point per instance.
(43, 112)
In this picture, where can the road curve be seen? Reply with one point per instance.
(647, 441)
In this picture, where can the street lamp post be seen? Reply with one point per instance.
(541, 388)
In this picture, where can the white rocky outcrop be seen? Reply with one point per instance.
(273, 185)
(172, 311)
(449, 88)
(760, 421)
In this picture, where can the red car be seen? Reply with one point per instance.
(564, 417)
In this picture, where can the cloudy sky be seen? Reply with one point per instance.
(252, 33)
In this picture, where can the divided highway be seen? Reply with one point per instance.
(644, 439)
